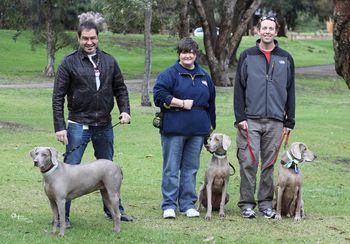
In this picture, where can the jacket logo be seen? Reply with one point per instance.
(282, 62)
(204, 83)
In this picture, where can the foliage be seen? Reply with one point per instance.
(308, 23)
(322, 123)
(291, 10)
(64, 16)
(14, 14)
(123, 16)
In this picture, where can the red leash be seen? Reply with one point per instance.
(273, 161)
(250, 148)
(279, 147)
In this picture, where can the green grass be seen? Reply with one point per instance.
(19, 63)
(322, 123)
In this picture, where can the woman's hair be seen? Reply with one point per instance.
(272, 18)
(187, 44)
(87, 25)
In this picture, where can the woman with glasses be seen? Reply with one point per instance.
(264, 107)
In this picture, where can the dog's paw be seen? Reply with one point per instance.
(208, 217)
(297, 219)
(116, 229)
(222, 215)
(278, 217)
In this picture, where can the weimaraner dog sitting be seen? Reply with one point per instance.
(289, 188)
(213, 192)
(63, 182)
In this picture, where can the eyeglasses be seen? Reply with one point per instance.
(268, 18)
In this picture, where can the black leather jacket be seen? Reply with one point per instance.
(75, 79)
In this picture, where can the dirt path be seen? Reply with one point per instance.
(321, 70)
(327, 70)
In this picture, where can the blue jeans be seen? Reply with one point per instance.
(102, 138)
(181, 157)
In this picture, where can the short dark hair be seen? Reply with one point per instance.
(272, 18)
(187, 44)
(87, 25)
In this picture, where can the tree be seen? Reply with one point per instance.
(145, 100)
(48, 21)
(341, 41)
(184, 20)
(220, 49)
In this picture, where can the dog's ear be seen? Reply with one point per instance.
(54, 156)
(226, 142)
(296, 150)
(32, 153)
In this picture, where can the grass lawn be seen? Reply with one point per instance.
(19, 63)
(322, 123)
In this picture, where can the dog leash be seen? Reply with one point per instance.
(250, 148)
(233, 168)
(285, 134)
(85, 143)
(273, 161)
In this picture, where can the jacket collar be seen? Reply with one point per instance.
(181, 69)
(83, 55)
(274, 41)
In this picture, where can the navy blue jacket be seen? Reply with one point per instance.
(264, 90)
(177, 81)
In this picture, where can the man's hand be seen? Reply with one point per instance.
(243, 125)
(124, 118)
(62, 136)
(287, 130)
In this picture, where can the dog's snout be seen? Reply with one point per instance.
(36, 162)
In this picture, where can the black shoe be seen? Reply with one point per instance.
(123, 217)
(268, 213)
(68, 225)
(248, 213)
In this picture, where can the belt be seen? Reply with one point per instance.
(182, 109)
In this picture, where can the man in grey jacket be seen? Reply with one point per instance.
(90, 79)
(264, 106)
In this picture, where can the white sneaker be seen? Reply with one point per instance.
(191, 213)
(169, 214)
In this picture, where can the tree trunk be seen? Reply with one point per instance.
(219, 49)
(184, 25)
(145, 100)
(49, 69)
(282, 29)
(341, 39)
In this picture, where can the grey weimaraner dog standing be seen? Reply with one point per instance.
(213, 192)
(289, 188)
(63, 182)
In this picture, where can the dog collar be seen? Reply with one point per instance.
(292, 162)
(50, 170)
(220, 156)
